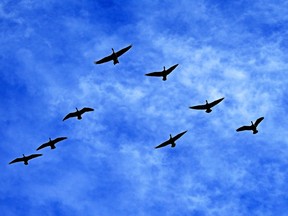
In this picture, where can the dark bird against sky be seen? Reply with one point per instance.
(25, 158)
(114, 56)
(163, 73)
(252, 127)
(207, 106)
(51, 143)
(171, 140)
(78, 113)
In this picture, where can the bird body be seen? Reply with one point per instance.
(25, 159)
(78, 113)
(252, 127)
(207, 106)
(171, 140)
(163, 73)
(51, 143)
(114, 56)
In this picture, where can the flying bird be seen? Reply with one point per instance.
(25, 158)
(171, 140)
(252, 127)
(207, 106)
(78, 113)
(163, 73)
(51, 143)
(114, 56)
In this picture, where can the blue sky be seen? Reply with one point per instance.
(108, 164)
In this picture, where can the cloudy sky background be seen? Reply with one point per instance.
(108, 164)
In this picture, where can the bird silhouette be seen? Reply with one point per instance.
(78, 113)
(114, 56)
(25, 158)
(207, 106)
(171, 140)
(163, 73)
(51, 143)
(252, 127)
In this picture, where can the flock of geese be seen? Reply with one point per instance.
(164, 73)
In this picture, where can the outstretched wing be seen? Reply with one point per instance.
(157, 74)
(59, 139)
(199, 107)
(70, 115)
(216, 102)
(122, 51)
(16, 160)
(105, 59)
(169, 70)
(163, 144)
(258, 121)
(243, 128)
(43, 146)
(179, 135)
(85, 109)
(33, 156)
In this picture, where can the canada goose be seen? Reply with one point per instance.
(171, 140)
(51, 143)
(25, 158)
(163, 73)
(207, 106)
(78, 113)
(114, 56)
(252, 127)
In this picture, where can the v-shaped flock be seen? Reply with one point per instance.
(164, 73)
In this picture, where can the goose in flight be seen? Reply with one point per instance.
(78, 113)
(207, 106)
(51, 143)
(171, 140)
(114, 56)
(163, 73)
(252, 127)
(25, 158)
